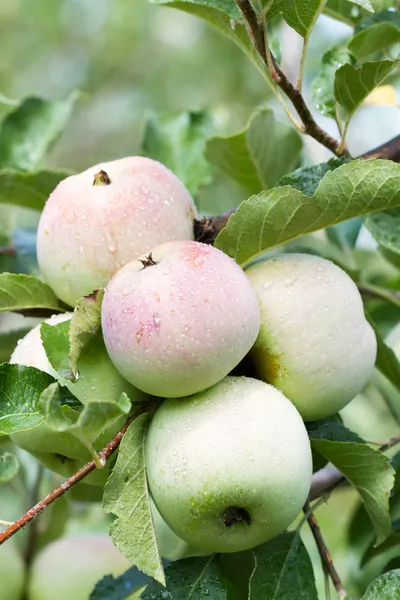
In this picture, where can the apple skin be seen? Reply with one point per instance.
(62, 452)
(315, 344)
(238, 448)
(69, 568)
(87, 232)
(170, 546)
(12, 572)
(180, 325)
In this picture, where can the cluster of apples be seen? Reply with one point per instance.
(228, 456)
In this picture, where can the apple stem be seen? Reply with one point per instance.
(148, 261)
(101, 178)
(235, 514)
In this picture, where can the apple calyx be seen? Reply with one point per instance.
(148, 261)
(101, 178)
(236, 514)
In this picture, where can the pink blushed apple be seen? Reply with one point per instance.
(181, 319)
(99, 220)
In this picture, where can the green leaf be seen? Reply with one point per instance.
(307, 179)
(237, 568)
(9, 466)
(376, 38)
(353, 85)
(283, 570)
(273, 7)
(345, 11)
(179, 143)
(27, 294)
(382, 16)
(85, 323)
(27, 133)
(87, 425)
(253, 159)
(391, 542)
(385, 228)
(369, 471)
(323, 85)
(345, 235)
(56, 344)
(332, 429)
(302, 15)
(282, 214)
(223, 14)
(20, 390)
(396, 466)
(386, 587)
(98, 378)
(119, 588)
(126, 495)
(30, 190)
(386, 360)
(190, 579)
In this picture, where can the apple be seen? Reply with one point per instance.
(315, 344)
(69, 568)
(62, 452)
(97, 221)
(170, 546)
(12, 572)
(179, 320)
(230, 467)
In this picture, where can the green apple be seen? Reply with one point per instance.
(180, 320)
(98, 220)
(229, 467)
(314, 344)
(61, 451)
(170, 546)
(69, 568)
(12, 572)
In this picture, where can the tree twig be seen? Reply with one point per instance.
(326, 558)
(7, 251)
(257, 35)
(389, 150)
(104, 454)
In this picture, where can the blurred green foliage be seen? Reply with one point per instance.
(127, 56)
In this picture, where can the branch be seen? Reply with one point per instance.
(389, 150)
(256, 32)
(326, 558)
(7, 251)
(104, 454)
(208, 228)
